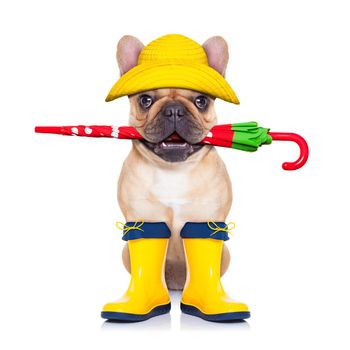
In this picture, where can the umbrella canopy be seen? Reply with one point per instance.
(242, 136)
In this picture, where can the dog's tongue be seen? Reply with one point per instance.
(175, 137)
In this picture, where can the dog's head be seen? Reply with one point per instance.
(172, 121)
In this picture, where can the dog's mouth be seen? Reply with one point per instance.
(173, 148)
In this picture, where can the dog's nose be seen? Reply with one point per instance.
(174, 110)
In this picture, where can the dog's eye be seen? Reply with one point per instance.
(201, 102)
(145, 101)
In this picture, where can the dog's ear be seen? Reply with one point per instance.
(128, 51)
(216, 49)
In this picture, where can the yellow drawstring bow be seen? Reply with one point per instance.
(121, 226)
(216, 228)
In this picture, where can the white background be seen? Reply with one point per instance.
(59, 249)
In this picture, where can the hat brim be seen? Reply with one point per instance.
(197, 77)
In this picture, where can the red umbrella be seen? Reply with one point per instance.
(243, 136)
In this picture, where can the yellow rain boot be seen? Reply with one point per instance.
(147, 295)
(203, 295)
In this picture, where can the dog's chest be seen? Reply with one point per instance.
(171, 187)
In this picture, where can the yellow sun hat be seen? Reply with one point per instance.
(173, 61)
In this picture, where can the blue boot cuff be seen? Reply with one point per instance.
(140, 229)
(210, 229)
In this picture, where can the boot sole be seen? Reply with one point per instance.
(223, 317)
(127, 317)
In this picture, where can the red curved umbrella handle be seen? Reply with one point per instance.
(300, 141)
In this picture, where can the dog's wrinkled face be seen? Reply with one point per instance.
(172, 121)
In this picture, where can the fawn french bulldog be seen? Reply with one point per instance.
(174, 193)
